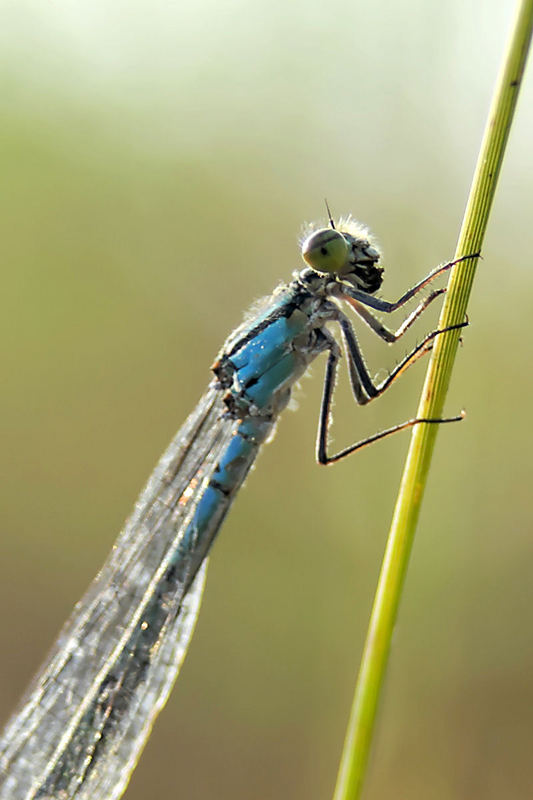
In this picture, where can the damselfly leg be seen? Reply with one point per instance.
(359, 305)
(380, 329)
(364, 389)
(387, 307)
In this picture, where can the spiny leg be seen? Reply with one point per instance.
(388, 307)
(377, 326)
(359, 374)
(324, 459)
(325, 406)
(365, 390)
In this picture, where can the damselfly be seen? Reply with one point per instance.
(81, 728)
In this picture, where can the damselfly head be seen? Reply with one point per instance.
(327, 251)
(345, 252)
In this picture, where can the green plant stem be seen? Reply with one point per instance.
(377, 646)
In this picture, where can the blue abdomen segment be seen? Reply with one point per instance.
(270, 360)
(257, 376)
(230, 472)
(257, 355)
(285, 370)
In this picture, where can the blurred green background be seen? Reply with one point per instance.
(158, 161)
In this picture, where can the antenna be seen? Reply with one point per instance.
(329, 214)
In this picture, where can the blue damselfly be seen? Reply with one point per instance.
(81, 728)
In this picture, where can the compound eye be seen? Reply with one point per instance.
(326, 250)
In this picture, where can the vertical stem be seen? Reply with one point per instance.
(377, 646)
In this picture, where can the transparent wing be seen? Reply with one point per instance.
(53, 747)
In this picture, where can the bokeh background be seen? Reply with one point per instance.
(158, 161)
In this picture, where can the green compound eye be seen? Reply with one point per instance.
(326, 251)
